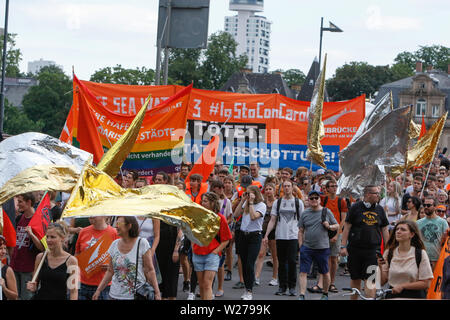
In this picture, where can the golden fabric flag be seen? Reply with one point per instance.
(117, 154)
(423, 151)
(97, 194)
(414, 130)
(316, 130)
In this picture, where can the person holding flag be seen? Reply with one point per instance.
(28, 245)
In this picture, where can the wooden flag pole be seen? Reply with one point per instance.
(39, 266)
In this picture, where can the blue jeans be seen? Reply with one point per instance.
(86, 292)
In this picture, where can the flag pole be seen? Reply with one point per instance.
(407, 144)
(39, 266)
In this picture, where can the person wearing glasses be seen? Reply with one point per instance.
(365, 226)
(314, 242)
(433, 229)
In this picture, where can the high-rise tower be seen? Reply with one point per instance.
(251, 32)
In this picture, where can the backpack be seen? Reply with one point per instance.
(297, 208)
(331, 233)
(339, 205)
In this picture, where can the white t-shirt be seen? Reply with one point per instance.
(145, 228)
(124, 265)
(249, 225)
(287, 226)
(393, 207)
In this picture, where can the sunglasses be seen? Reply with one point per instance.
(428, 205)
(441, 211)
(313, 198)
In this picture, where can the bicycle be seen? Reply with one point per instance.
(379, 295)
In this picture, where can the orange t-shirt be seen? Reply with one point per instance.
(332, 204)
(87, 238)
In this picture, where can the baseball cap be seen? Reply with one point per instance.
(244, 167)
(313, 192)
(246, 181)
(441, 207)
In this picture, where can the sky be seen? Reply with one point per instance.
(92, 34)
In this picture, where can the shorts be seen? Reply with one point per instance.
(320, 256)
(335, 247)
(360, 261)
(208, 262)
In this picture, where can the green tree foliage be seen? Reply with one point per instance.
(220, 61)
(355, 78)
(13, 56)
(436, 56)
(50, 100)
(184, 66)
(120, 75)
(292, 76)
(16, 121)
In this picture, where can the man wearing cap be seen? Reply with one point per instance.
(314, 242)
(285, 214)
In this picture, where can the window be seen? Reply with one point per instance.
(435, 111)
(421, 107)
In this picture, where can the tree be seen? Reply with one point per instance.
(120, 75)
(16, 121)
(220, 61)
(355, 78)
(13, 56)
(436, 56)
(184, 66)
(50, 100)
(292, 76)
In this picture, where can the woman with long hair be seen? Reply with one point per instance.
(53, 281)
(7, 278)
(392, 203)
(252, 209)
(269, 199)
(206, 259)
(405, 265)
(413, 204)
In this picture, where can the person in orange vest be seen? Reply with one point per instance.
(195, 187)
(246, 181)
(286, 174)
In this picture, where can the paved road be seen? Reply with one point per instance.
(266, 292)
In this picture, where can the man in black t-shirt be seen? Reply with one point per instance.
(364, 227)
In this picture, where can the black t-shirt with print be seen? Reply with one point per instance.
(366, 225)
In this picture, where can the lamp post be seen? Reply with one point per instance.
(2, 93)
(331, 28)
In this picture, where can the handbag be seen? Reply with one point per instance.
(146, 291)
(331, 233)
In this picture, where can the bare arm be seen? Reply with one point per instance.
(74, 278)
(156, 234)
(9, 285)
(106, 279)
(150, 274)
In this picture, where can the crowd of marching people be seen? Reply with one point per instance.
(295, 217)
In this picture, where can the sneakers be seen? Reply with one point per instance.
(247, 295)
(239, 285)
(186, 286)
(292, 292)
(281, 292)
(324, 297)
(228, 276)
(301, 297)
(273, 282)
(191, 296)
(257, 282)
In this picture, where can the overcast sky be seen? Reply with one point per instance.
(92, 34)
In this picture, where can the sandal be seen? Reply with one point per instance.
(315, 289)
(219, 294)
(333, 289)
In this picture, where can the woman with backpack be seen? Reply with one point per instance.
(405, 265)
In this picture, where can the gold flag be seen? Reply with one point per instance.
(114, 158)
(316, 130)
(97, 194)
(414, 130)
(423, 151)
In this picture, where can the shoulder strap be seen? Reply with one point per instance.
(325, 201)
(297, 208)
(137, 264)
(278, 208)
(418, 253)
(340, 208)
(324, 214)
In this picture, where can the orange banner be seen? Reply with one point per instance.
(434, 292)
(252, 127)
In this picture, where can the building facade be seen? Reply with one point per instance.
(251, 32)
(428, 91)
(35, 66)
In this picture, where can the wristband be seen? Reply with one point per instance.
(343, 247)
